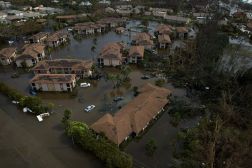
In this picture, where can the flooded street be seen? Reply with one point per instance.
(49, 146)
(81, 49)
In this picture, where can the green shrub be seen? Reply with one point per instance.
(34, 103)
(160, 82)
(98, 145)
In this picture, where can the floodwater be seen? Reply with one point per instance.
(49, 146)
(81, 49)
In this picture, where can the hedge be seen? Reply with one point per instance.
(98, 145)
(33, 103)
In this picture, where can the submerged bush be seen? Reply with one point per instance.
(33, 103)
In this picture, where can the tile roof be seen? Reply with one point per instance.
(64, 63)
(112, 50)
(138, 50)
(53, 78)
(164, 38)
(164, 29)
(39, 35)
(7, 52)
(181, 29)
(57, 36)
(135, 116)
(141, 38)
(31, 51)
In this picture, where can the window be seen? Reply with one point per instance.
(61, 86)
(68, 85)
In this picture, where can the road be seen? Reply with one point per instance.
(26, 143)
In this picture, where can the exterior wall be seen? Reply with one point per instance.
(111, 62)
(28, 62)
(5, 61)
(98, 30)
(182, 36)
(90, 31)
(79, 73)
(41, 56)
(54, 87)
(40, 72)
(53, 43)
(163, 45)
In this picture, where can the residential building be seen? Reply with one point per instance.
(136, 54)
(7, 55)
(104, 2)
(159, 12)
(71, 18)
(134, 117)
(110, 10)
(3, 15)
(57, 38)
(177, 19)
(81, 68)
(249, 25)
(181, 33)
(39, 37)
(164, 29)
(112, 22)
(143, 39)
(4, 4)
(53, 82)
(111, 55)
(164, 41)
(89, 28)
(85, 3)
(120, 30)
(31, 55)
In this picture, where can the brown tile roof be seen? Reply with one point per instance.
(112, 50)
(164, 29)
(57, 35)
(33, 49)
(39, 35)
(53, 78)
(164, 38)
(25, 57)
(135, 116)
(136, 50)
(7, 52)
(64, 63)
(143, 38)
(181, 29)
(120, 29)
(249, 25)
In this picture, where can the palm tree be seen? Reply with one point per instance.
(93, 50)
(125, 71)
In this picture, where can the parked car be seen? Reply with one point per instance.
(41, 116)
(84, 85)
(119, 98)
(26, 109)
(15, 102)
(89, 108)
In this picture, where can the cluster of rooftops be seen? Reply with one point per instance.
(134, 117)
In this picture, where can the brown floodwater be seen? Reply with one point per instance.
(49, 146)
